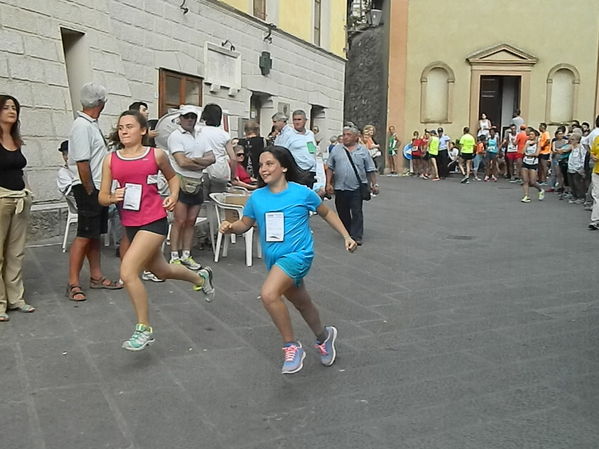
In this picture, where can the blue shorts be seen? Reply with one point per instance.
(294, 266)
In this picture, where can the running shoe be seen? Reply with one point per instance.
(526, 199)
(436, 179)
(572, 201)
(207, 286)
(142, 337)
(476, 178)
(464, 180)
(541, 195)
(191, 264)
(486, 179)
(294, 358)
(175, 261)
(494, 178)
(149, 276)
(594, 226)
(327, 347)
(579, 201)
(513, 180)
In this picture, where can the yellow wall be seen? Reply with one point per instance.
(295, 17)
(337, 26)
(439, 30)
(242, 5)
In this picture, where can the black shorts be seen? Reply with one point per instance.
(157, 227)
(92, 218)
(416, 156)
(433, 156)
(467, 156)
(530, 166)
(545, 157)
(191, 199)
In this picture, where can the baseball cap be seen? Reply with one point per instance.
(188, 109)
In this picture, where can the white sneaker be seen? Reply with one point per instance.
(208, 286)
(190, 263)
(149, 276)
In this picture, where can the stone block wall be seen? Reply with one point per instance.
(129, 41)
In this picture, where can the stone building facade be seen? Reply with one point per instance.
(165, 54)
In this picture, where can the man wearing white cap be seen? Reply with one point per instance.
(189, 160)
(87, 148)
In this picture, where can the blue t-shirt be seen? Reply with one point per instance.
(296, 202)
(492, 146)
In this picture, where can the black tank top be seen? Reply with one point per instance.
(12, 164)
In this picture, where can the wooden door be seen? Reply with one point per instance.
(490, 98)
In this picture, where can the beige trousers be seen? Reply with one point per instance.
(13, 232)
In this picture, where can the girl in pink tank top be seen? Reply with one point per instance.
(138, 175)
(135, 169)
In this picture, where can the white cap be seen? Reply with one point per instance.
(92, 95)
(188, 109)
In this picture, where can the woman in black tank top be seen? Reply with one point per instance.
(15, 203)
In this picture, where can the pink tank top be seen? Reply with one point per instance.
(140, 173)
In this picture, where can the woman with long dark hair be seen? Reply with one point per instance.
(135, 169)
(281, 207)
(15, 204)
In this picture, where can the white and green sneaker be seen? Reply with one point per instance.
(141, 338)
(207, 286)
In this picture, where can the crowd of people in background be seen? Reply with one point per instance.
(564, 163)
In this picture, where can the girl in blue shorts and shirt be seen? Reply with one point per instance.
(281, 208)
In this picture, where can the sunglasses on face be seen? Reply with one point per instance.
(240, 154)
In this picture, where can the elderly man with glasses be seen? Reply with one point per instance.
(348, 162)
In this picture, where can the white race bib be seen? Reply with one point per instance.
(132, 200)
(275, 226)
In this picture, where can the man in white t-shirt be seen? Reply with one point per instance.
(302, 145)
(189, 160)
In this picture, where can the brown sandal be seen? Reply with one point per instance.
(74, 293)
(104, 283)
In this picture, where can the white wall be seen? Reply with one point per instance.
(128, 42)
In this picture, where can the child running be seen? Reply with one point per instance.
(135, 169)
(530, 165)
(281, 207)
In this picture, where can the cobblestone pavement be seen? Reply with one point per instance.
(467, 320)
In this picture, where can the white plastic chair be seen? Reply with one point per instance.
(220, 206)
(71, 219)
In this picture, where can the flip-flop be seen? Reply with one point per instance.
(4, 317)
(75, 293)
(27, 308)
(100, 283)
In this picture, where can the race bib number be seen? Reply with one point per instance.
(132, 200)
(275, 226)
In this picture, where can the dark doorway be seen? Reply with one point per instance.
(499, 97)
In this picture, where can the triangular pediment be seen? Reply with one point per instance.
(501, 54)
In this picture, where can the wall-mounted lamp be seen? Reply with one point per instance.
(183, 7)
(268, 37)
(231, 46)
